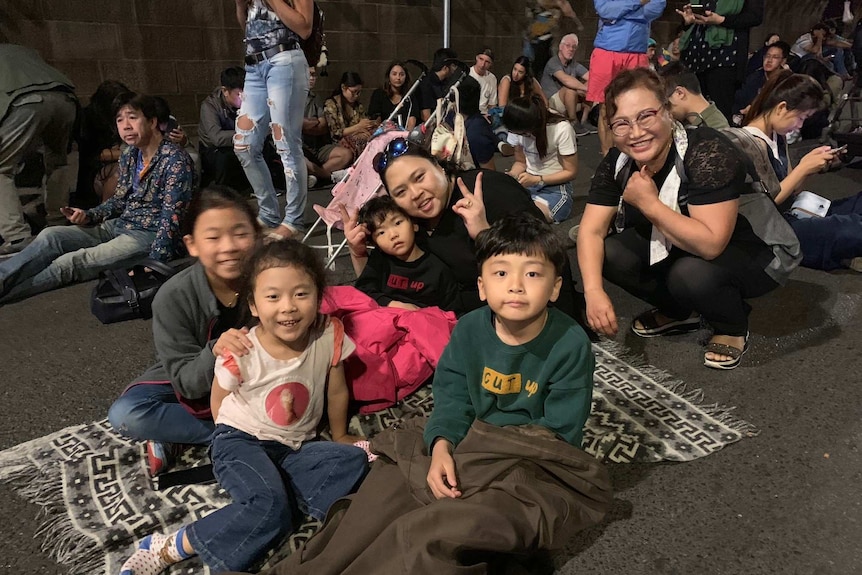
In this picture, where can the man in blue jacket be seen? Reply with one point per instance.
(620, 44)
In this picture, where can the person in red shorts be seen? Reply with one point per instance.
(620, 44)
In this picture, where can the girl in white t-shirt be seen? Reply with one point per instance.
(267, 403)
(546, 160)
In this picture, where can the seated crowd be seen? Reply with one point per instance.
(664, 220)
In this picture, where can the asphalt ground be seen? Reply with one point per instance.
(786, 501)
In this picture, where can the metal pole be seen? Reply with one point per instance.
(447, 18)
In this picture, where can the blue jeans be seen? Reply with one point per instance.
(265, 480)
(275, 91)
(152, 411)
(61, 255)
(558, 198)
(826, 242)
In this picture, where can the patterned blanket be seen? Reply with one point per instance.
(98, 499)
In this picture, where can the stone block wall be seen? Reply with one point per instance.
(176, 48)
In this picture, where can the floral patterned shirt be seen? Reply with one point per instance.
(156, 201)
(335, 118)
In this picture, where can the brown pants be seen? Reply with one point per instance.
(511, 507)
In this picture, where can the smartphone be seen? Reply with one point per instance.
(698, 6)
(171, 125)
(840, 150)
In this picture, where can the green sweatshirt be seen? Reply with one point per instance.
(547, 382)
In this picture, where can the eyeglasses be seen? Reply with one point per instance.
(644, 120)
(355, 91)
(394, 149)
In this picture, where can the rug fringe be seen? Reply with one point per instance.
(59, 538)
(722, 413)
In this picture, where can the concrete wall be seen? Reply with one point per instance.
(176, 48)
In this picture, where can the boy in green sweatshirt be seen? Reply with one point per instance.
(516, 361)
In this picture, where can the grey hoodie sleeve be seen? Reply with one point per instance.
(176, 332)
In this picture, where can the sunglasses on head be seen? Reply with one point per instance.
(394, 149)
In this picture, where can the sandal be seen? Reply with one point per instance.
(651, 328)
(719, 348)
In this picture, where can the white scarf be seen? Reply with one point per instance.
(659, 246)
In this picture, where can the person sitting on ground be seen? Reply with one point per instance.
(99, 147)
(384, 100)
(481, 139)
(37, 108)
(451, 209)
(399, 273)
(349, 127)
(322, 157)
(671, 52)
(141, 220)
(481, 72)
(687, 104)
(755, 61)
(774, 61)
(436, 82)
(543, 22)
(216, 131)
(830, 242)
(519, 83)
(197, 316)
(546, 160)
(565, 83)
(809, 46)
(169, 126)
(687, 251)
(268, 403)
(497, 474)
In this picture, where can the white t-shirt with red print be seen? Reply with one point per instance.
(280, 400)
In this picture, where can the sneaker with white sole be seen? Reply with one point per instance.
(312, 181)
(338, 175)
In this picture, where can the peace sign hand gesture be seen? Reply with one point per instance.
(471, 207)
(354, 233)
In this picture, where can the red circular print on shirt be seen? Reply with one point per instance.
(286, 403)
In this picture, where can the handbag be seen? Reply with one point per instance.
(118, 296)
(449, 143)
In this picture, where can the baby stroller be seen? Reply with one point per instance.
(359, 184)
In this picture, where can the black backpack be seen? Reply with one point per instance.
(316, 41)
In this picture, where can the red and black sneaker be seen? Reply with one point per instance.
(160, 457)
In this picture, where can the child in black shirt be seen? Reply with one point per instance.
(399, 273)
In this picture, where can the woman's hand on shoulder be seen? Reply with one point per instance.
(601, 316)
(471, 207)
(640, 190)
(236, 341)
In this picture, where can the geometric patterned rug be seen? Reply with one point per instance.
(97, 499)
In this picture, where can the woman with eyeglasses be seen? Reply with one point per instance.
(450, 209)
(345, 116)
(677, 241)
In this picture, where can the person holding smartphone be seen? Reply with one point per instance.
(715, 46)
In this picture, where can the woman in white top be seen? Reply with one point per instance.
(546, 160)
(834, 240)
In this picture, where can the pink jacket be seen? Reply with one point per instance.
(396, 350)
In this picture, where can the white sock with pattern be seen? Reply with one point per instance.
(156, 553)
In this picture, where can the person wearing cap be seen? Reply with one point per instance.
(620, 44)
(481, 72)
(434, 85)
(654, 57)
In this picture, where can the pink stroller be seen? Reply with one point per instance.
(359, 185)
